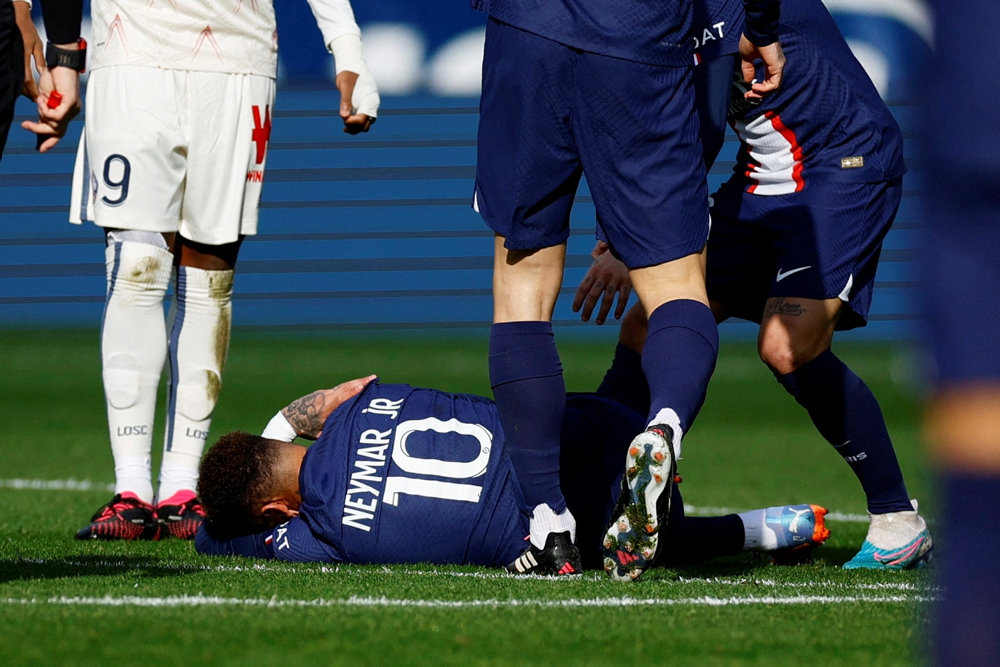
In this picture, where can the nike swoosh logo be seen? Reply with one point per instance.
(784, 274)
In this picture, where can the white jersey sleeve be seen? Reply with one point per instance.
(334, 18)
(342, 37)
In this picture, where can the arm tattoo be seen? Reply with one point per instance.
(305, 415)
(781, 307)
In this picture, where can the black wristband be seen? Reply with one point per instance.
(74, 59)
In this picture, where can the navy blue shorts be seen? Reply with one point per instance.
(820, 243)
(550, 113)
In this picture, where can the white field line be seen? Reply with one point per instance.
(404, 570)
(55, 485)
(213, 601)
(88, 485)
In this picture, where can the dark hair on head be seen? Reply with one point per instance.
(236, 478)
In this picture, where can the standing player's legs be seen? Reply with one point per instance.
(134, 182)
(146, 174)
(790, 263)
(527, 380)
(227, 120)
(794, 341)
(652, 201)
(198, 344)
(677, 360)
(133, 349)
(527, 175)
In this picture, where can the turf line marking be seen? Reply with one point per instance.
(55, 485)
(88, 485)
(402, 570)
(704, 601)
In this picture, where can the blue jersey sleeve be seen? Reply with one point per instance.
(294, 541)
(291, 541)
(252, 546)
(761, 26)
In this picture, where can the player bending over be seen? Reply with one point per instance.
(401, 474)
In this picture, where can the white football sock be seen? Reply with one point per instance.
(669, 418)
(199, 342)
(133, 349)
(757, 535)
(545, 521)
(896, 529)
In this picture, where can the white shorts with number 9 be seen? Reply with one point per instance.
(173, 151)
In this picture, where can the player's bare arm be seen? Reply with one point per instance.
(33, 49)
(308, 413)
(359, 98)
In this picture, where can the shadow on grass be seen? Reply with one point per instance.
(26, 569)
(752, 566)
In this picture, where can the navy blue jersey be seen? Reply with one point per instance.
(826, 121)
(656, 33)
(343, 520)
(401, 475)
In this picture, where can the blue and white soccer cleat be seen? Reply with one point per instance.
(895, 541)
(799, 529)
(632, 539)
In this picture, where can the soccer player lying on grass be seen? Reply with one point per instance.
(401, 474)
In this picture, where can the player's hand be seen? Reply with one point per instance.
(773, 58)
(53, 121)
(308, 414)
(606, 278)
(32, 49)
(358, 109)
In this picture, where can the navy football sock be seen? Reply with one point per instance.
(679, 357)
(847, 414)
(967, 617)
(526, 376)
(624, 380)
(702, 538)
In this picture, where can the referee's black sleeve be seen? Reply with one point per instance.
(62, 20)
(761, 26)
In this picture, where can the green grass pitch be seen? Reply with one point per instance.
(66, 602)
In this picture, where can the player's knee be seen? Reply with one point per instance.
(197, 393)
(138, 265)
(786, 356)
(122, 380)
